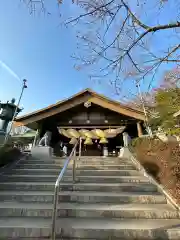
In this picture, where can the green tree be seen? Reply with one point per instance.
(167, 102)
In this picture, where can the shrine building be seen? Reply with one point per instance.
(95, 118)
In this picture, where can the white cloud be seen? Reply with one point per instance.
(7, 68)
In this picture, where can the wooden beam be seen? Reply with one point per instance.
(51, 112)
(139, 129)
(116, 108)
(34, 118)
(89, 127)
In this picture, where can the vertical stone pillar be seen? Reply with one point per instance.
(139, 129)
(36, 138)
(125, 139)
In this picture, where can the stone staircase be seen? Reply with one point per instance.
(111, 200)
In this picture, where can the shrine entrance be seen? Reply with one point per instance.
(94, 140)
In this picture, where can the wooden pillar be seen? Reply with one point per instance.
(36, 138)
(139, 129)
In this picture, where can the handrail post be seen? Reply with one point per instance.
(80, 147)
(53, 234)
(56, 188)
(74, 167)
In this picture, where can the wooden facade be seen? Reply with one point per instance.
(86, 109)
(77, 100)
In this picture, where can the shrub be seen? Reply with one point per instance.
(162, 161)
(174, 131)
(8, 154)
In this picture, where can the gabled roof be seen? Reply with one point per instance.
(80, 98)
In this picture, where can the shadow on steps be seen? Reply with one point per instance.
(152, 169)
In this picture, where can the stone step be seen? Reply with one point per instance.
(86, 161)
(106, 166)
(105, 160)
(57, 166)
(111, 179)
(141, 229)
(47, 186)
(93, 172)
(38, 166)
(146, 211)
(83, 158)
(79, 178)
(102, 158)
(84, 197)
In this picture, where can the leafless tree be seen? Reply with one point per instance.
(125, 39)
(170, 80)
(18, 130)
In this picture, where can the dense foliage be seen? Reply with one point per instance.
(167, 103)
(162, 161)
(8, 154)
(161, 102)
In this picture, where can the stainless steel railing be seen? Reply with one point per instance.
(58, 181)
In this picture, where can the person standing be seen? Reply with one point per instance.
(65, 150)
(126, 139)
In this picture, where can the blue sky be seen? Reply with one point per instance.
(38, 49)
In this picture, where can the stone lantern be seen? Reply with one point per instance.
(7, 111)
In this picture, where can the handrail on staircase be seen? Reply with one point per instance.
(58, 181)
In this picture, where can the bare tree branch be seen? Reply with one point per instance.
(134, 17)
(152, 29)
(89, 13)
(121, 39)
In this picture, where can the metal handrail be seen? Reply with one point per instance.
(59, 179)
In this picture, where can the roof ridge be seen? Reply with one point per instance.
(87, 90)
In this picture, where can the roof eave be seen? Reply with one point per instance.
(87, 92)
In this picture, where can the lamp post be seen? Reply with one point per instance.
(144, 110)
(16, 109)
